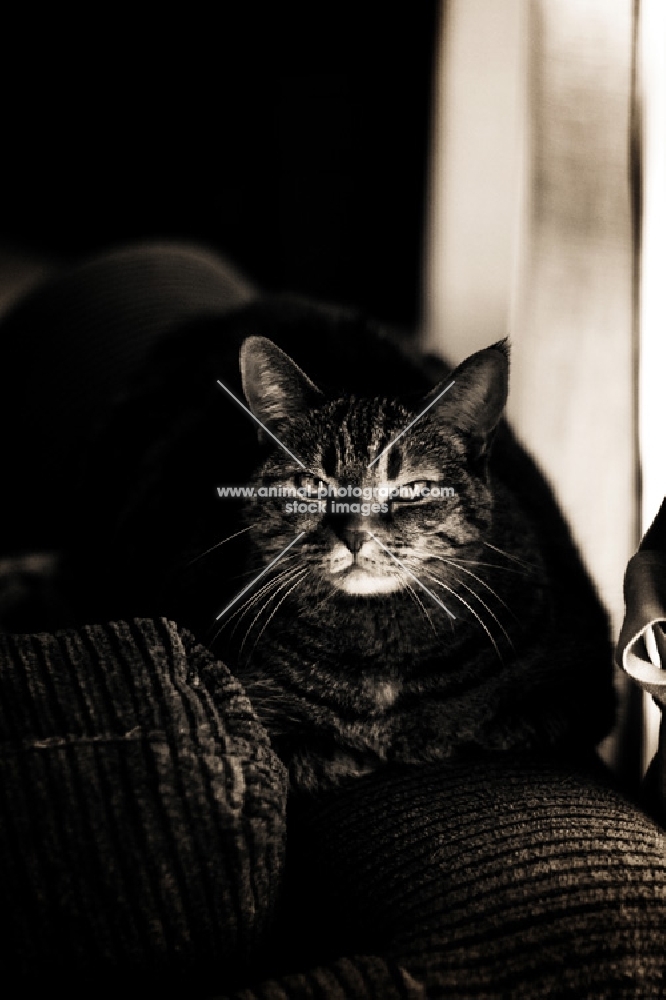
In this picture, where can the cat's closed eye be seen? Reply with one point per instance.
(308, 482)
(419, 490)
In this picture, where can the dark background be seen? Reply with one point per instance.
(292, 137)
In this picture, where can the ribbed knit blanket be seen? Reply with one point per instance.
(142, 850)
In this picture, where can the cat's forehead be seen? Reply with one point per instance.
(355, 431)
(362, 420)
(357, 428)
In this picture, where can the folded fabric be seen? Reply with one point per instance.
(143, 818)
(641, 648)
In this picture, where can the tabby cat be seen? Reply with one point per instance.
(401, 587)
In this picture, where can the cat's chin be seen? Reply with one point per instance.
(358, 583)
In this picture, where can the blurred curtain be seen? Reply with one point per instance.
(641, 649)
(532, 235)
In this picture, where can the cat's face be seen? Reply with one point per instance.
(377, 505)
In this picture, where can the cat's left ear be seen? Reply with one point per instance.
(274, 386)
(474, 404)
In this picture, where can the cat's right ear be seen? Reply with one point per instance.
(478, 396)
(275, 387)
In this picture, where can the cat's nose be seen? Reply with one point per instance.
(353, 539)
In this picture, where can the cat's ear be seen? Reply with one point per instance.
(274, 386)
(474, 404)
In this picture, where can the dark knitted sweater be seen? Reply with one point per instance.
(143, 834)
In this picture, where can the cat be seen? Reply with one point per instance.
(399, 587)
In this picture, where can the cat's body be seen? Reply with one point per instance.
(408, 631)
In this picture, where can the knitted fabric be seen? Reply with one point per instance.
(142, 824)
(497, 877)
(142, 836)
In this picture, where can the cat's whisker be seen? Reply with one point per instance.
(264, 592)
(211, 642)
(275, 609)
(461, 583)
(300, 574)
(227, 622)
(292, 584)
(244, 606)
(255, 570)
(508, 555)
(314, 610)
(252, 599)
(469, 608)
(479, 562)
(218, 631)
(417, 600)
(218, 544)
(452, 562)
